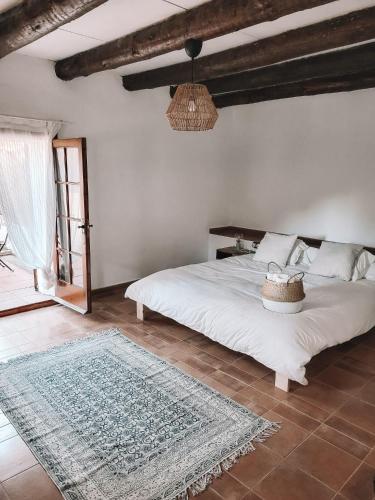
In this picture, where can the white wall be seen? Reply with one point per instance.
(307, 165)
(153, 192)
(303, 165)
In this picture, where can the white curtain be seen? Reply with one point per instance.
(27, 189)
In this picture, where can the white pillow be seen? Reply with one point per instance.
(275, 248)
(335, 260)
(297, 252)
(362, 265)
(370, 275)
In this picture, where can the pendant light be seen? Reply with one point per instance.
(191, 108)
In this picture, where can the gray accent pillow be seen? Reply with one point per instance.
(335, 260)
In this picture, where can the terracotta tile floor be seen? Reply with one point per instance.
(325, 449)
(17, 288)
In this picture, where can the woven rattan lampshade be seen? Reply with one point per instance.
(191, 108)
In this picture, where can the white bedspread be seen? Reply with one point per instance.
(221, 299)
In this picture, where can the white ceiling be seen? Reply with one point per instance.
(116, 18)
(7, 4)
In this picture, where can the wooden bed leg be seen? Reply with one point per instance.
(281, 382)
(140, 311)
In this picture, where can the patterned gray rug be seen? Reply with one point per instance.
(111, 421)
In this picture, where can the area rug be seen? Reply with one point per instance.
(111, 421)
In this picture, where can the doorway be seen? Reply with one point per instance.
(68, 280)
(72, 251)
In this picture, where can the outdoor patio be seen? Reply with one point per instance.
(17, 287)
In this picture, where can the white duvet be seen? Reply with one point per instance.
(221, 299)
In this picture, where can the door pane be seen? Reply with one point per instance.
(72, 157)
(75, 200)
(77, 270)
(62, 233)
(62, 207)
(76, 237)
(64, 267)
(60, 164)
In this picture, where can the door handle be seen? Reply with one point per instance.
(85, 226)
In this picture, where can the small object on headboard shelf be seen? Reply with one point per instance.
(239, 244)
(223, 253)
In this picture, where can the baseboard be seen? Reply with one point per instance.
(112, 289)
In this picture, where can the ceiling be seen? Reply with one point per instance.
(116, 18)
(7, 4)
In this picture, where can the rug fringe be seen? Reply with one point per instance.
(206, 479)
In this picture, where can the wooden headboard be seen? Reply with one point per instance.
(257, 235)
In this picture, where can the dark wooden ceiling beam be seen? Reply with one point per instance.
(33, 19)
(344, 62)
(311, 87)
(351, 28)
(206, 21)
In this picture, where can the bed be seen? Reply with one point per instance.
(221, 299)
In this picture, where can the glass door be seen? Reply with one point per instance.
(72, 255)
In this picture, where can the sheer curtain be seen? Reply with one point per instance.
(27, 191)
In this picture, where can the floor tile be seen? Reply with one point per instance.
(359, 413)
(356, 366)
(287, 439)
(210, 360)
(253, 467)
(270, 389)
(208, 494)
(353, 431)
(254, 397)
(307, 408)
(229, 488)
(290, 483)
(321, 361)
(321, 395)
(251, 366)
(364, 354)
(225, 379)
(198, 364)
(316, 457)
(370, 459)
(342, 441)
(361, 485)
(367, 393)
(214, 384)
(3, 419)
(15, 457)
(238, 374)
(6, 432)
(253, 406)
(251, 496)
(33, 484)
(221, 352)
(296, 417)
(348, 430)
(342, 379)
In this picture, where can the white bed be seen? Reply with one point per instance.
(221, 299)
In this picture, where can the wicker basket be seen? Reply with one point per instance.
(290, 293)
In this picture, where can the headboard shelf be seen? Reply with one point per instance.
(257, 235)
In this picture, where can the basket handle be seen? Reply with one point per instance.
(275, 264)
(302, 274)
